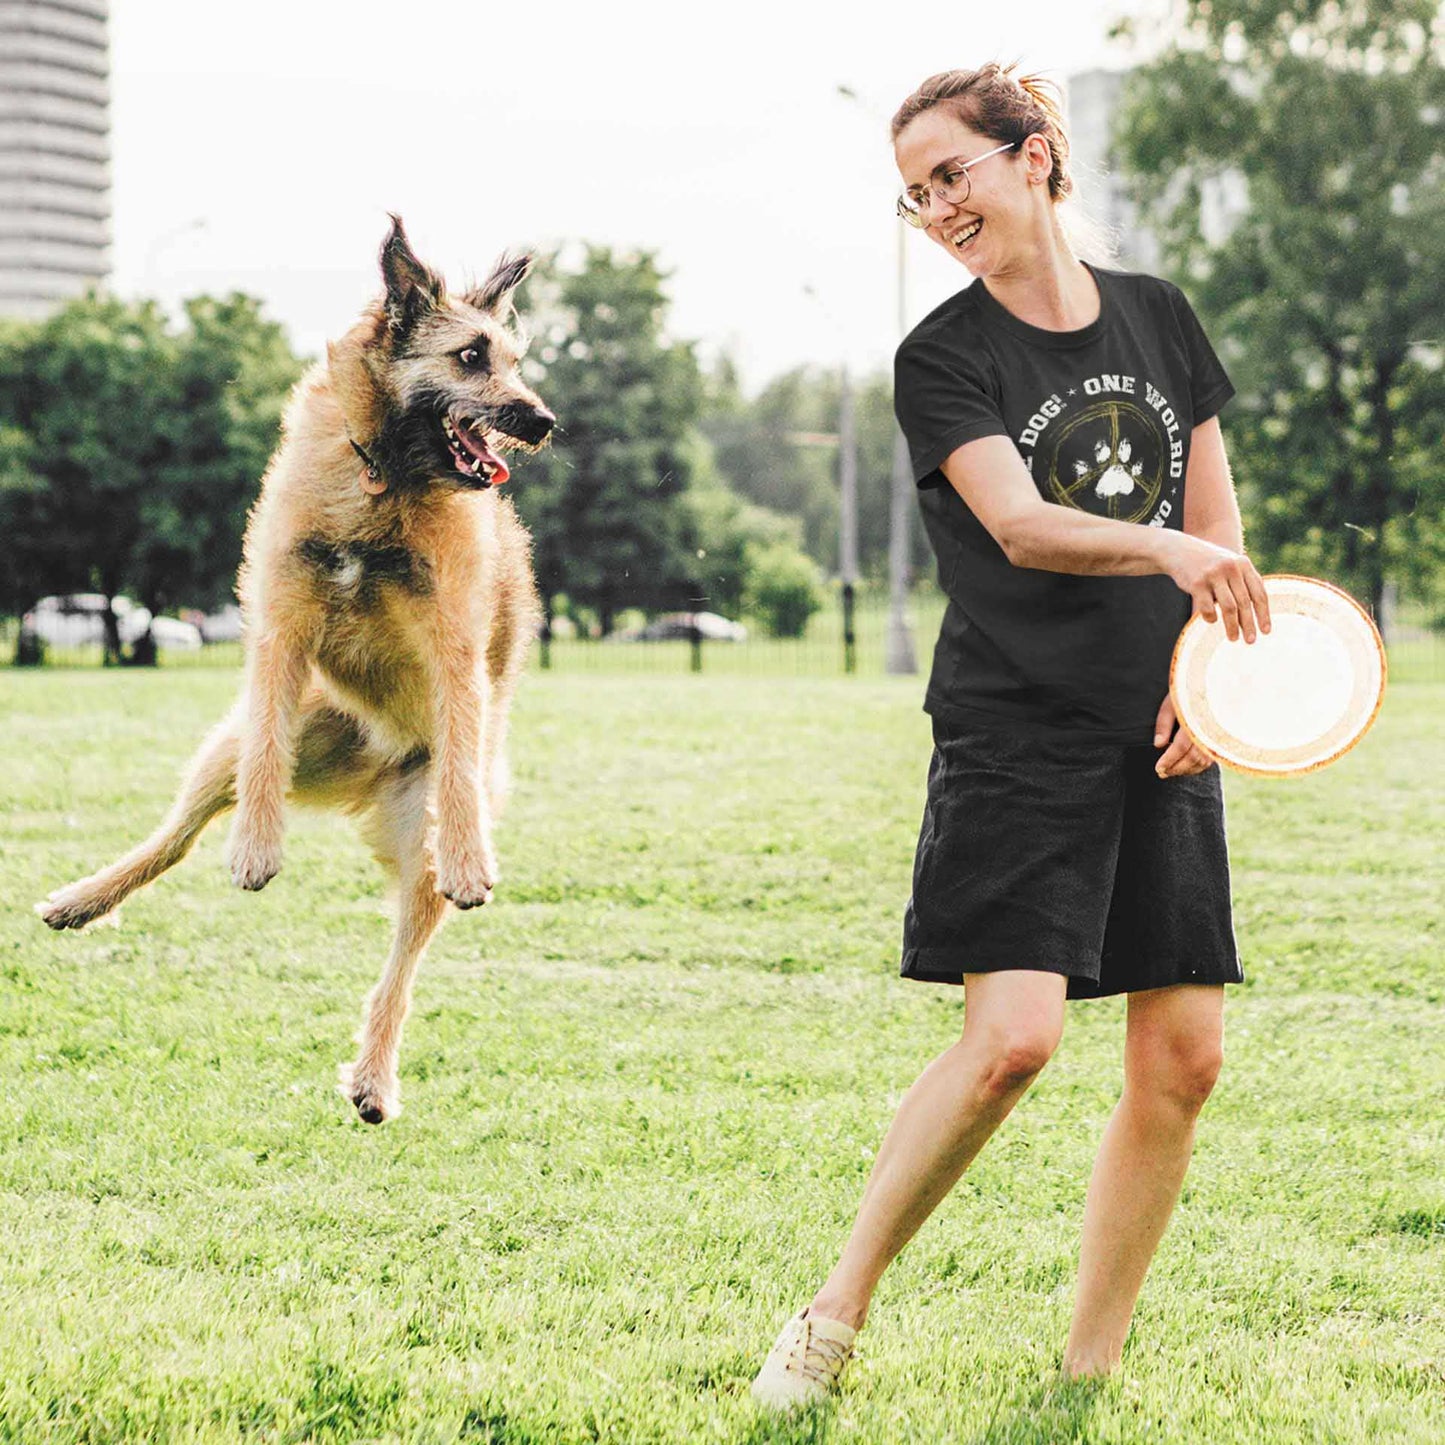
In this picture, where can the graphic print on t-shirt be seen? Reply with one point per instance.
(1108, 445)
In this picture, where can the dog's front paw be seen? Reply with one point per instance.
(467, 879)
(377, 1097)
(254, 862)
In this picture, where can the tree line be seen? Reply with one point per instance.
(131, 450)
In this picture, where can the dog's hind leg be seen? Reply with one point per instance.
(396, 829)
(209, 788)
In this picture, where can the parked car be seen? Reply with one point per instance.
(222, 626)
(680, 625)
(77, 619)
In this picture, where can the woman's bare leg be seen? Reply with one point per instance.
(1012, 1023)
(1172, 1056)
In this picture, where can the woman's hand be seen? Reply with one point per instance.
(1221, 583)
(1182, 756)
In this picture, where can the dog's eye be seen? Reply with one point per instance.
(472, 356)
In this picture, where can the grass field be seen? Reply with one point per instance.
(642, 1093)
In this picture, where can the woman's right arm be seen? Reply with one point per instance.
(991, 478)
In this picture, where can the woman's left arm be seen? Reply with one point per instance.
(1211, 511)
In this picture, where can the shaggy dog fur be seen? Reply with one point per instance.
(389, 602)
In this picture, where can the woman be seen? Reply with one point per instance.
(1062, 425)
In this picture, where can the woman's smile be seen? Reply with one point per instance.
(959, 238)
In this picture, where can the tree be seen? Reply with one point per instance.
(784, 589)
(87, 399)
(1327, 298)
(605, 501)
(759, 448)
(234, 374)
(771, 451)
(130, 452)
(732, 533)
(22, 575)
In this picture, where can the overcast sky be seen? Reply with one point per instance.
(258, 148)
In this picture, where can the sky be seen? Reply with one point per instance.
(259, 148)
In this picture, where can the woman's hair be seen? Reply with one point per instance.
(996, 103)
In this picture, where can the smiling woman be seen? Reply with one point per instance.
(1062, 424)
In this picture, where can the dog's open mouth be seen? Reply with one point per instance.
(472, 455)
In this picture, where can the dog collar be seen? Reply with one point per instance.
(371, 479)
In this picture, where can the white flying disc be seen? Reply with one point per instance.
(1293, 700)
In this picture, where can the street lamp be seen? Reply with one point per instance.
(898, 656)
(848, 515)
(847, 498)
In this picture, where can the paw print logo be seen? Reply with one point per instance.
(1107, 458)
(1112, 474)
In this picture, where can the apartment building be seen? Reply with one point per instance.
(54, 152)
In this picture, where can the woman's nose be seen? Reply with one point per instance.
(940, 211)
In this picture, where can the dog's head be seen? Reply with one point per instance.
(430, 382)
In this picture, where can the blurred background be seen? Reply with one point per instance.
(187, 213)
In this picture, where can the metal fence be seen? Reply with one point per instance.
(1416, 653)
(828, 645)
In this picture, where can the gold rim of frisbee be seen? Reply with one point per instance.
(1301, 769)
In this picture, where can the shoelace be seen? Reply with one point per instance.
(832, 1356)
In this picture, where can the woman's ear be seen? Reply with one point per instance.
(1039, 157)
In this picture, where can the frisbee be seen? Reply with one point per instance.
(1295, 699)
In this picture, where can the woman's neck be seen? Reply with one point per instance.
(1049, 287)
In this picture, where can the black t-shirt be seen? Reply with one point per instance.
(1102, 417)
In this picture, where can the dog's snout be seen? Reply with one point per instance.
(530, 424)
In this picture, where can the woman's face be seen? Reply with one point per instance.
(1002, 210)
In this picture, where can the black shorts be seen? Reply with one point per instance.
(1042, 851)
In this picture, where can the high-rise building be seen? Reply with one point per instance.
(54, 152)
(1092, 100)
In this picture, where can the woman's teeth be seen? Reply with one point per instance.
(961, 238)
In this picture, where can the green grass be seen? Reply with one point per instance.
(642, 1092)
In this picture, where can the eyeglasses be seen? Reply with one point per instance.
(951, 183)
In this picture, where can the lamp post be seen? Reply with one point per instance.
(898, 644)
(848, 515)
(847, 440)
(898, 655)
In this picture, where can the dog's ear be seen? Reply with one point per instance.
(495, 293)
(411, 287)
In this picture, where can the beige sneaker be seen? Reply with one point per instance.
(803, 1367)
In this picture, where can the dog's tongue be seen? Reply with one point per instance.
(495, 468)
